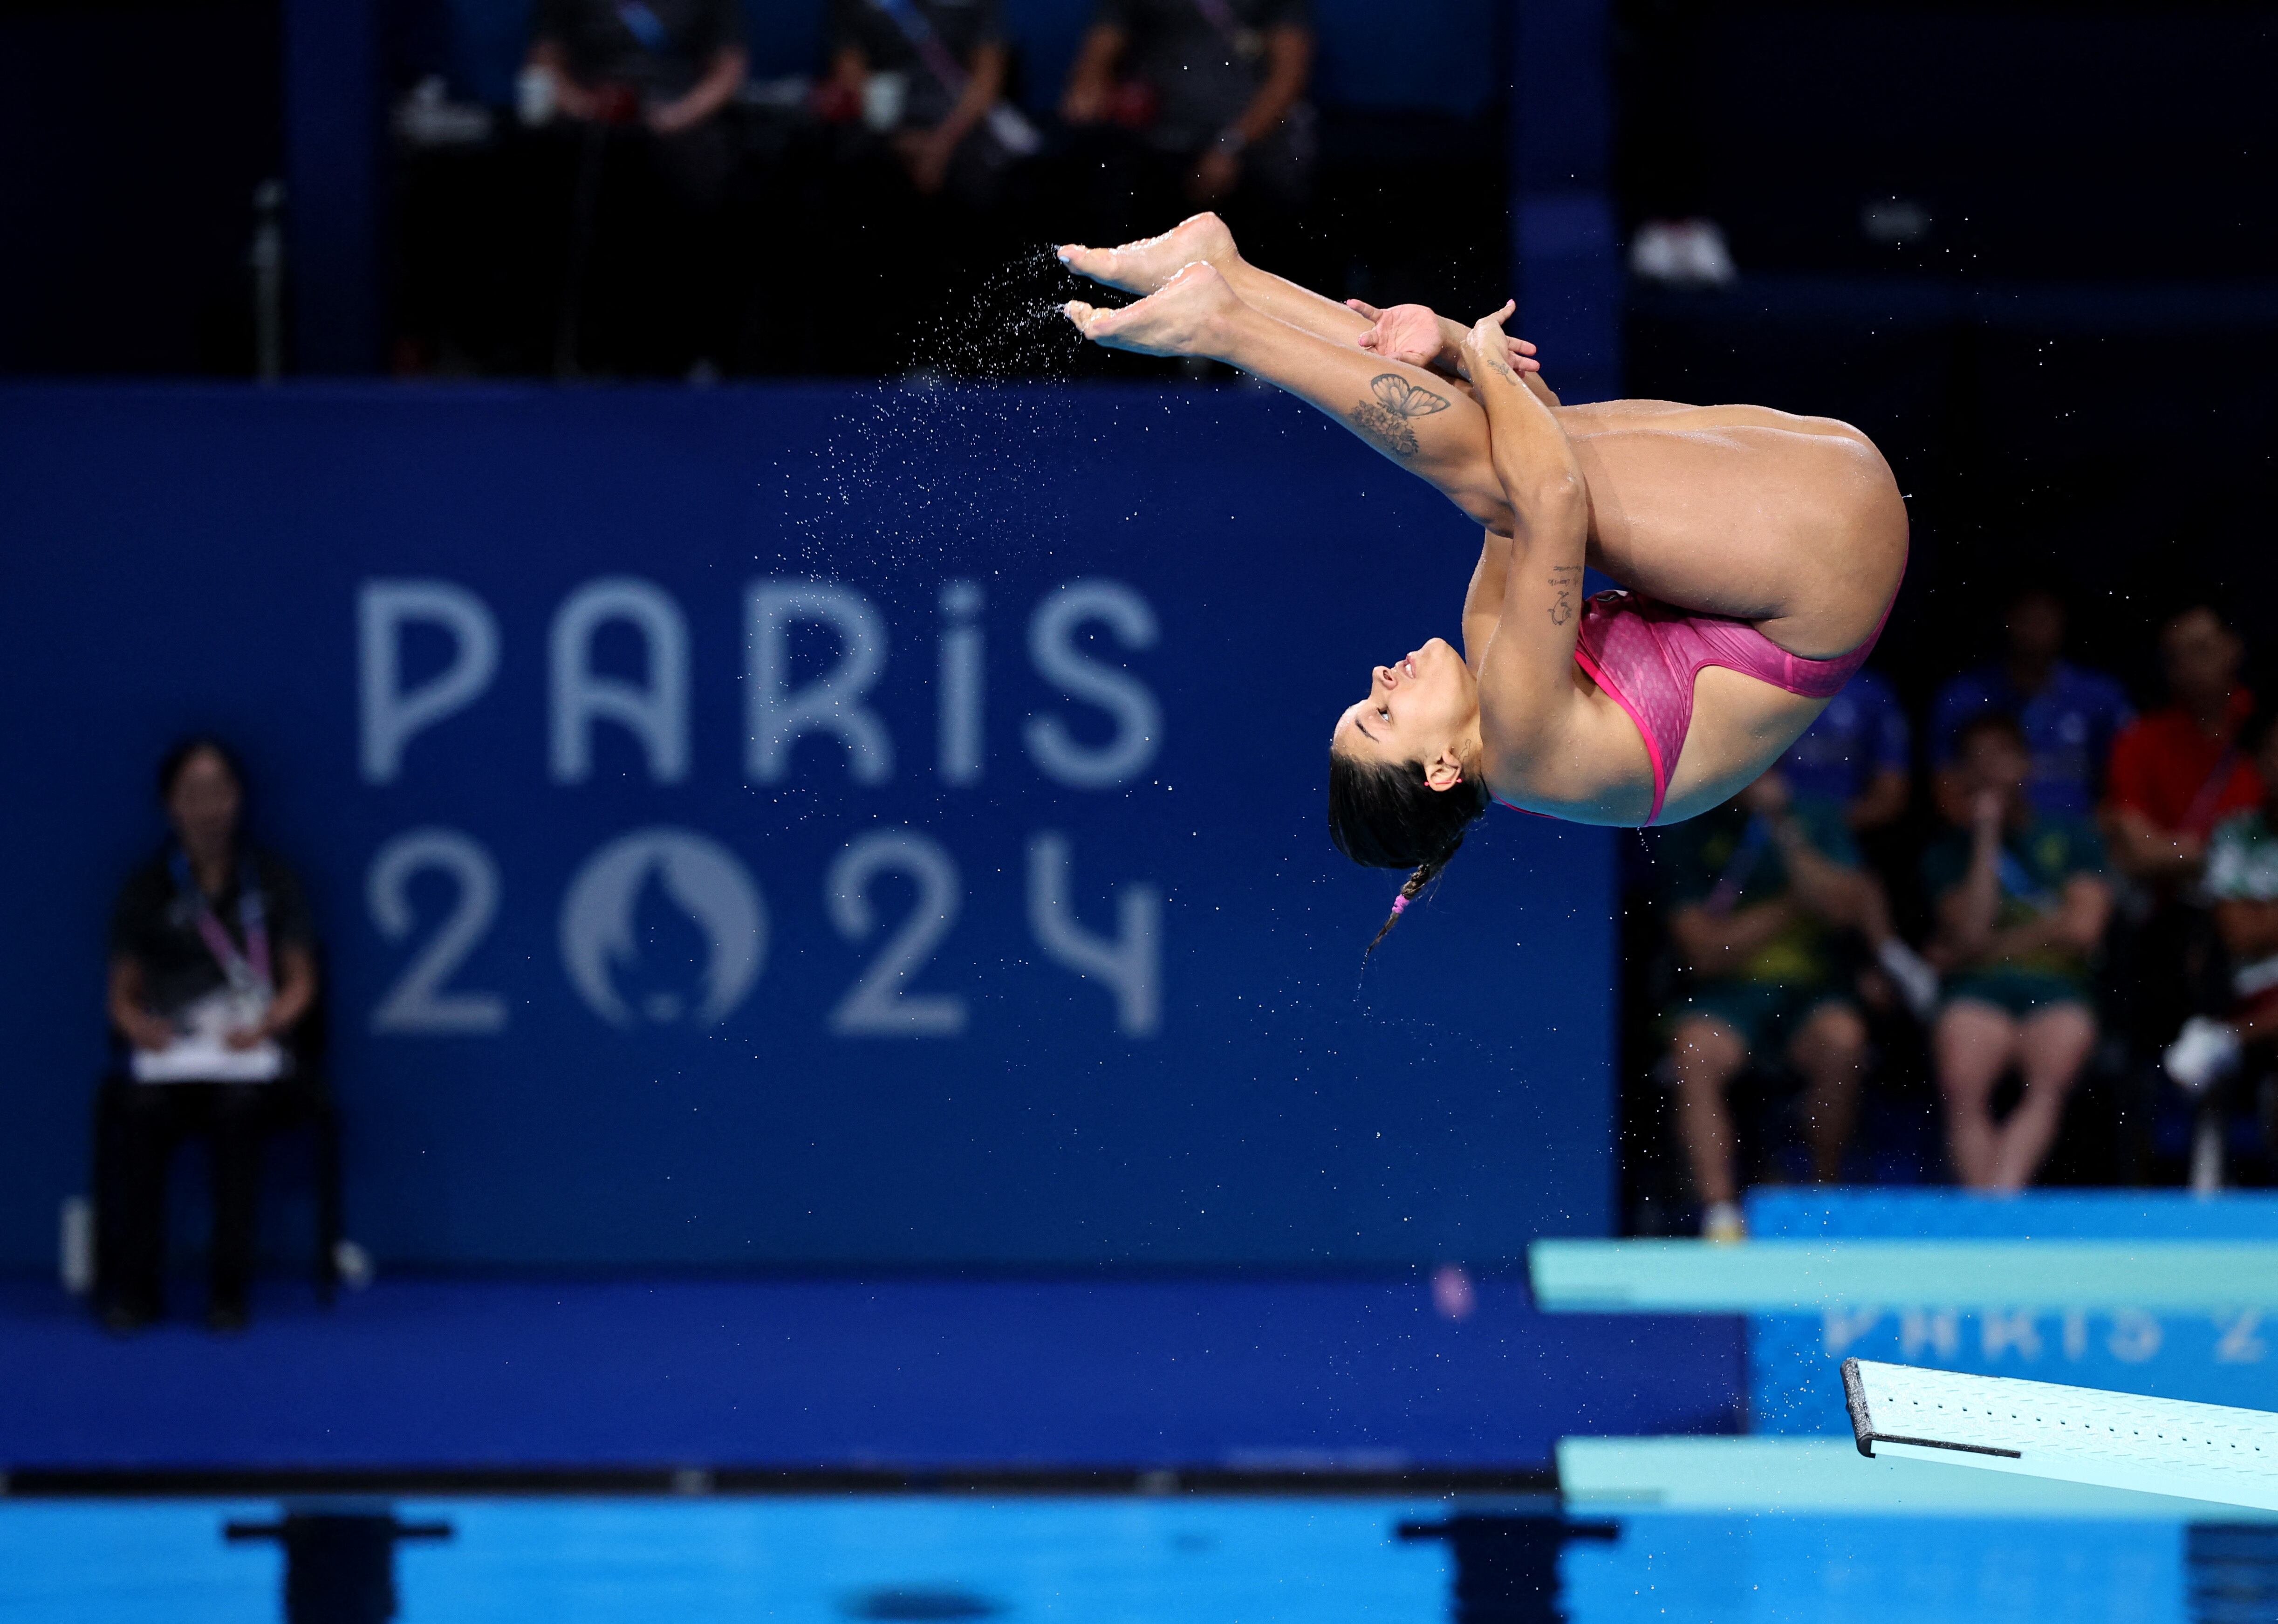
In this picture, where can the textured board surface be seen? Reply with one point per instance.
(2079, 1434)
(1680, 1276)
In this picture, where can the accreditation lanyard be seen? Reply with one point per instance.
(247, 971)
(644, 26)
(919, 31)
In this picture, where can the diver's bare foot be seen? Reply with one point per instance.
(1144, 267)
(1188, 315)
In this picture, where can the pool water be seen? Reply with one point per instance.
(1198, 1561)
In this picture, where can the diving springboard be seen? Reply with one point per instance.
(2081, 1435)
(1785, 1276)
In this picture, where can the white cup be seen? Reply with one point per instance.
(534, 95)
(883, 97)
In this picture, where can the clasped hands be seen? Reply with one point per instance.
(1420, 336)
(615, 103)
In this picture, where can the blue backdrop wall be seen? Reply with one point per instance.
(800, 826)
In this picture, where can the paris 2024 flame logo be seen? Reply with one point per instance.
(620, 886)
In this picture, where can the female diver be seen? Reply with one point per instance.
(1761, 551)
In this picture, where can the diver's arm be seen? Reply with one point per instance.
(1452, 334)
(1483, 603)
(1527, 690)
(1425, 424)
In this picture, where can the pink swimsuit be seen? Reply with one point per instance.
(1647, 654)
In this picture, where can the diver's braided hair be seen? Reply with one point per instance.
(1426, 873)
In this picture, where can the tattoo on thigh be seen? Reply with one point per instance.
(1565, 582)
(1384, 420)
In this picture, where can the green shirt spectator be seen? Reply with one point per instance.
(2038, 858)
(1760, 889)
(2022, 906)
(1727, 861)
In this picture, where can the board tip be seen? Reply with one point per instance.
(1854, 1400)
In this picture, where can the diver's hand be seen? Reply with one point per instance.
(1409, 332)
(1487, 348)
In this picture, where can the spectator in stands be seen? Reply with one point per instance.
(2069, 715)
(645, 84)
(212, 967)
(2022, 906)
(1208, 96)
(1856, 758)
(928, 168)
(927, 74)
(2242, 883)
(2178, 772)
(1858, 754)
(2175, 774)
(668, 66)
(1762, 887)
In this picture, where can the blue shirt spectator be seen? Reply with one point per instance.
(2070, 716)
(1856, 755)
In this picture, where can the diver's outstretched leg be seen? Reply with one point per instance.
(1142, 267)
(1711, 508)
(1427, 426)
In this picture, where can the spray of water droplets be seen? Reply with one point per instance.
(961, 462)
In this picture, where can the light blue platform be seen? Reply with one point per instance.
(1828, 1477)
(2039, 1215)
(2158, 1293)
(2199, 1334)
(1786, 1276)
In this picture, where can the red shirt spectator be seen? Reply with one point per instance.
(2177, 771)
(2185, 781)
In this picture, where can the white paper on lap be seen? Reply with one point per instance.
(200, 1054)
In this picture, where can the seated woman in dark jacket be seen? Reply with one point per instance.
(210, 972)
